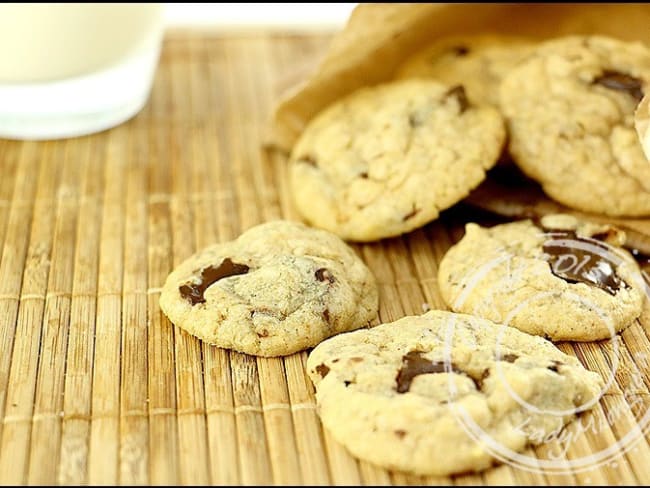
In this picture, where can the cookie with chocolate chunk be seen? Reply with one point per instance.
(433, 394)
(561, 278)
(278, 288)
(387, 159)
(477, 61)
(570, 112)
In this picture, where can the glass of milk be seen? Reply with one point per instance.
(73, 69)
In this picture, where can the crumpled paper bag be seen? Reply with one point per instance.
(378, 37)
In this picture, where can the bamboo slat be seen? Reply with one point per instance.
(98, 387)
(75, 430)
(19, 406)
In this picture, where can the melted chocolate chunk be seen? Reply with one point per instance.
(193, 292)
(413, 364)
(458, 91)
(400, 433)
(615, 80)
(322, 370)
(460, 50)
(510, 358)
(577, 265)
(364, 175)
(323, 274)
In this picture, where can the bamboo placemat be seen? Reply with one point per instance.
(97, 387)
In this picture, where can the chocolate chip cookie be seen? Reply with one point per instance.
(570, 111)
(278, 288)
(387, 159)
(406, 395)
(477, 61)
(560, 278)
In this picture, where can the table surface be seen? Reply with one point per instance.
(96, 386)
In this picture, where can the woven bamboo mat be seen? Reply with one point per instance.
(97, 387)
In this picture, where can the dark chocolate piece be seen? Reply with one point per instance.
(556, 364)
(577, 265)
(322, 370)
(414, 364)
(323, 274)
(615, 80)
(510, 358)
(193, 292)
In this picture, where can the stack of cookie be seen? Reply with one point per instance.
(387, 159)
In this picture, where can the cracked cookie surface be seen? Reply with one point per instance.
(280, 287)
(385, 160)
(396, 394)
(570, 113)
(564, 279)
(479, 62)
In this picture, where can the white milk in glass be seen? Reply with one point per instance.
(73, 69)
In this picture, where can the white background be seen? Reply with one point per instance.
(231, 16)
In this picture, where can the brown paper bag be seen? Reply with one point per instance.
(378, 37)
